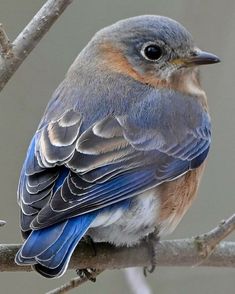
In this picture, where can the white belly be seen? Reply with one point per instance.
(127, 227)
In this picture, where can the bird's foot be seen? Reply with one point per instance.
(88, 273)
(152, 239)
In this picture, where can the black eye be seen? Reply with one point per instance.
(152, 52)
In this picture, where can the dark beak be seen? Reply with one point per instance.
(199, 57)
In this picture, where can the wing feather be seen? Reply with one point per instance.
(73, 167)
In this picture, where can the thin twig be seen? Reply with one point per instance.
(2, 223)
(207, 242)
(5, 44)
(30, 37)
(73, 283)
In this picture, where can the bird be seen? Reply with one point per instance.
(121, 148)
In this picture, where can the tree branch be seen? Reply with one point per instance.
(5, 45)
(207, 242)
(73, 283)
(28, 38)
(202, 250)
(182, 252)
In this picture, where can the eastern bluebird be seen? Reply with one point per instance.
(121, 147)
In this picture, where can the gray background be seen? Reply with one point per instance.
(212, 23)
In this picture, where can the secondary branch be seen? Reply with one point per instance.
(208, 242)
(14, 54)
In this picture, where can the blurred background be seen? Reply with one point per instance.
(22, 102)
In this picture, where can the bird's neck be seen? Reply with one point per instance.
(188, 82)
(96, 76)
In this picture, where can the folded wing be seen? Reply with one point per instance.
(71, 171)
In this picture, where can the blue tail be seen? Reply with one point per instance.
(49, 249)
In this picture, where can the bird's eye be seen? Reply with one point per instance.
(152, 52)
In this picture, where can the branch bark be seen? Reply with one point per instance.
(28, 38)
(207, 242)
(183, 252)
(5, 44)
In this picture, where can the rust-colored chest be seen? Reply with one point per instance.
(175, 198)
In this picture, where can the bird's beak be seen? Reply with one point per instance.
(198, 57)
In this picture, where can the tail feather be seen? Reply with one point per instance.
(40, 240)
(68, 235)
(49, 250)
(57, 271)
(56, 259)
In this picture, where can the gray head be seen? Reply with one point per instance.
(146, 48)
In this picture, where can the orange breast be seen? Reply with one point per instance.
(175, 199)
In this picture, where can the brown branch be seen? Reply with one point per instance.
(182, 252)
(5, 44)
(29, 37)
(207, 242)
(73, 283)
(185, 252)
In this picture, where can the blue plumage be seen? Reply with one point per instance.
(50, 248)
(61, 178)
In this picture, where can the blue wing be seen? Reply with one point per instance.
(75, 167)
(71, 171)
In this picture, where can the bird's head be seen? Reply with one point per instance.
(150, 49)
